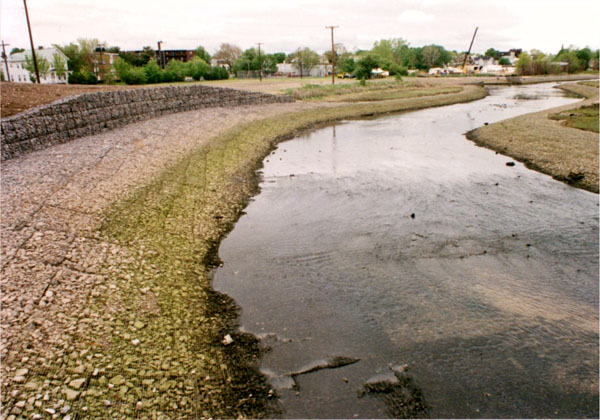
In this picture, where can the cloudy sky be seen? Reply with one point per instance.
(284, 25)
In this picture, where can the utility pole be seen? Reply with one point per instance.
(161, 62)
(37, 72)
(259, 62)
(332, 55)
(5, 58)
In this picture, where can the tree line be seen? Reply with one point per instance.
(395, 55)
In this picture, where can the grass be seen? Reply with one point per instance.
(396, 93)
(584, 118)
(319, 92)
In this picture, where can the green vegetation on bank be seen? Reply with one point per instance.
(584, 118)
(169, 232)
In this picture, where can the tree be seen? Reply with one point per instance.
(197, 68)
(431, 55)
(43, 67)
(504, 61)
(81, 55)
(203, 54)
(585, 56)
(570, 56)
(595, 60)
(228, 54)
(491, 52)
(365, 65)
(279, 57)
(338, 49)
(348, 65)
(175, 71)
(59, 64)
(524, 64)
(16, 50)
(304, 60)
(152, 72)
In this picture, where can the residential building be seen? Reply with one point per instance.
(103, 63)
(288, 69)
(17, 63)
(179, 55)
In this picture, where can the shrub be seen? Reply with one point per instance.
(365, 65)
(82, 78)
(174, 72)
(398, 70)
(217, 73)
(152, 72)
(135, 76)
(197, 68)
(76, 78)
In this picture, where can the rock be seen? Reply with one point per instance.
(20, 404)
(21, 372)
(65, 409)
(139, 405)
(412, 216)
(77, 383)
(50, 410)
(70, 394)
(227, 340)
(510, 163)
(79, 369)
(139, 325)
(117, 380)
(135, 341)
(31, 386)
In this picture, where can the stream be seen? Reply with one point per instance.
(395, 269)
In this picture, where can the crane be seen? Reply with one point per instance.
(469, 52)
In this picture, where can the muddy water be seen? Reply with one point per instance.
(465, 287)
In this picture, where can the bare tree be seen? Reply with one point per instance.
(228, 54)
(304, 59)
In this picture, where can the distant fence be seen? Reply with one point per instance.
(93, 113)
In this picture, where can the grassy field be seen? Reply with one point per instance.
(371, 91)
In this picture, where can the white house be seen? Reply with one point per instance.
(18, 73)
(288, 69)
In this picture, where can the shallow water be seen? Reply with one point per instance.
(399, 242)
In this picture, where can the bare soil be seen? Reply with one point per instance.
(19, 97)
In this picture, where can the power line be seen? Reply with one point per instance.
(332, 55)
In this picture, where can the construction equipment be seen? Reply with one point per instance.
(469, 52)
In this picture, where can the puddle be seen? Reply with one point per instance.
(400, 243)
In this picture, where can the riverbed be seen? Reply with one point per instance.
(454, 281)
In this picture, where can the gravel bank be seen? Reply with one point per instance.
(567, 154)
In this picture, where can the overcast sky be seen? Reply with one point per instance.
(284, 25)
